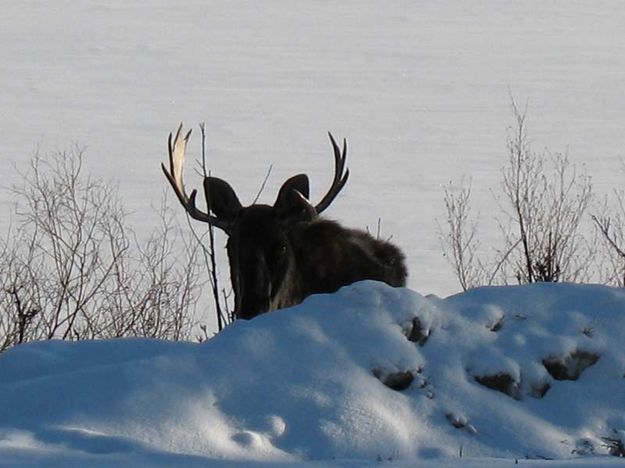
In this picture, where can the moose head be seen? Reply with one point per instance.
(281, 253)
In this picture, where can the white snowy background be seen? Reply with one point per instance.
(422, 92)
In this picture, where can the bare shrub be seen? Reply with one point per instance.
(610, 224)
(460, 242)
(546, 201)
(72, 269)
(543, 201)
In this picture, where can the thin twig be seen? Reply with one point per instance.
(212, 270)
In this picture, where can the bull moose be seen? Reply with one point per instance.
(283, 253)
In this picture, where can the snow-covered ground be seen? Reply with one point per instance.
(422, 92)
(367, 376)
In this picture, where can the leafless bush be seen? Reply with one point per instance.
(544, 199)
(610, 224)
(71, 268)
(460, 242)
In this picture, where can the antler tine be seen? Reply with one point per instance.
(340, 175)
(177, 148)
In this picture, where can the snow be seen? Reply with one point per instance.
(307, 385)
(422, 91)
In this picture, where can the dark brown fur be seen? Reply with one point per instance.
(328, 256)
(276, 264)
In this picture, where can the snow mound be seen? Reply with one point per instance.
(369, 373)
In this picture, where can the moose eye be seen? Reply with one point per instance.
(277, 253)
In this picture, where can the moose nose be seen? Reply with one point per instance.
(254, 292)
(252, 306)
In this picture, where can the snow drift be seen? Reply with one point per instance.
(369, 373)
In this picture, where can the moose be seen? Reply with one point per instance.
(283, 253)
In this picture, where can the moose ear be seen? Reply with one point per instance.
(299, 183)
(292, 202)
(221, 199)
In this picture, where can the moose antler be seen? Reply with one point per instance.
(340, 175)
(177, 149)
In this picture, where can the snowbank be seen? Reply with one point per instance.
(368, 374)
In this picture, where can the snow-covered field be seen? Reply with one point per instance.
(420, 89)
(367, 376)
(422, 92)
